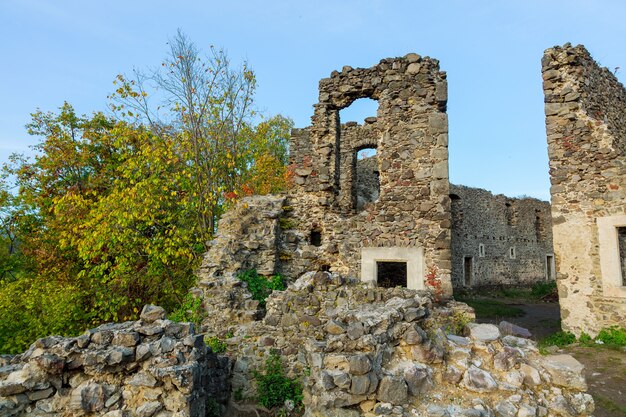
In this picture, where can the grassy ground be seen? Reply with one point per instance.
(496, 302)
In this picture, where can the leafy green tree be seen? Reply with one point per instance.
(106, 218)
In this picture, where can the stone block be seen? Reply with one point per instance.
(565, 371)
(392, 390)
(483, 332)
(151, 313)
(479, 380)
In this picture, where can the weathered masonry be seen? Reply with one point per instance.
(585, 108)
(407, 219)
(386, 216)
(497, 240)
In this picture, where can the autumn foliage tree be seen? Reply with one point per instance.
(114, 211)
(106, 221)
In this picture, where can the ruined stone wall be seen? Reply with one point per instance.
(410, 133)
(362, 351)
(585, 107)
(143, 368)
(497, 240)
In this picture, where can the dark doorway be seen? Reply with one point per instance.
(391, 274)
(467, 270)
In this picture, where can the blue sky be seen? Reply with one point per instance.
(55, 51)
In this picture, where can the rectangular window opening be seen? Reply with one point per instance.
(391, 274)
(621, 239)
(481, 250)
(316, 238)
(467, 270)
(512, 252)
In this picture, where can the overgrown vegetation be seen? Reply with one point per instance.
(274, 387)
(450, 323)
(216, 344)
(191, 310)
(260, 286)
(612, 337)
(559, 339)
(542, 290)
(113, 212)
(213, 408)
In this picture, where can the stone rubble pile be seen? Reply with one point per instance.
(151, 367)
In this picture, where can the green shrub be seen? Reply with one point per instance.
(190, 310)
(261, 287)
(455, 323)
(238, 395)
(216, 345)
(274, 387)
(613, 336)
(585, 339)
(31, 308)
(286, 224)
(559, 339)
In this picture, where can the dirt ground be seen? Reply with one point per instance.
(605, 369)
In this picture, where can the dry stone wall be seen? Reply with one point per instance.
(151, 367)
(585, 107)
(497, 240)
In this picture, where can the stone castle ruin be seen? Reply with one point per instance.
(372, 248)
(388, 218)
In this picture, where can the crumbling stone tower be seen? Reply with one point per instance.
(410, 220)
(586, 127)
(331, 221)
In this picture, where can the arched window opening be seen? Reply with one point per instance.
(353, 136)
(366, 186)
(510, 213)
